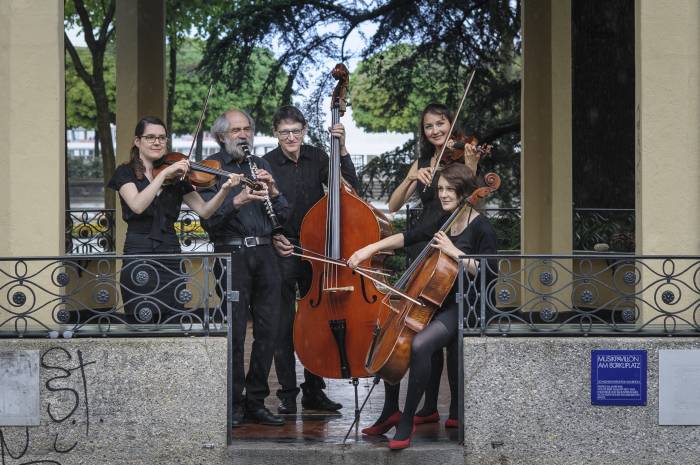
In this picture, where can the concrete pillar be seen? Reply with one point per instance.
(32, 128)
(546, 182)
(140, 30)
(667, 59)
(668, 126)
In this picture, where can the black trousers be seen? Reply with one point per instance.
(255, 274)
(295, 273)
(151, 288)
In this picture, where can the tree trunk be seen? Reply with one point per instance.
(104, 133)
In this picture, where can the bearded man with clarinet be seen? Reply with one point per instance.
(243, 226)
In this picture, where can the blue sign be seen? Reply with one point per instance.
(619, 377)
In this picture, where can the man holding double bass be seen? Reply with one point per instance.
(300, 171)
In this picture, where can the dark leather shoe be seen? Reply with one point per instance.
(287, 406)
(264, 417)
(237, 417)
(317, 400)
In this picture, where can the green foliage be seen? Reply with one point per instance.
(420, 51)
(80, 105)
(80, 168)
(375, 109)
(191, 91)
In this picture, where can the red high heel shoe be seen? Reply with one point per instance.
(398, 444)
(432, 418)
(383, 427)
(451, 423)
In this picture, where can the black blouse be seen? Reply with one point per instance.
(478, 237)
(159, 218)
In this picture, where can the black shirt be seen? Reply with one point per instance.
(302, 181)
(478, 238)
(158, 219)
(250, 219)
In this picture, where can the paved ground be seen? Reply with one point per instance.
(310, 427)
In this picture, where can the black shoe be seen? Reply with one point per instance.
(288, 406)
(237, 417)
(317, 400)
(264, 417)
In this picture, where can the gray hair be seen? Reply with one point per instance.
(221, 126)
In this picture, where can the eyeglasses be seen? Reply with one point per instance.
(284, 133)
(150, 138)
(236, 131)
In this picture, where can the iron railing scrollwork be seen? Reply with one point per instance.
(92, 232)
(113, 295)
(582, 295)
(611, 229)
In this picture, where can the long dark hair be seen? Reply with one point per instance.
(135, 162)
(425, 148)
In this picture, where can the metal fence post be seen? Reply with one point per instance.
(207, 269)
(483, 265)
(460, 350)
(229, 351)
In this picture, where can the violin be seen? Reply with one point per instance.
(201, 173)
(455, 152)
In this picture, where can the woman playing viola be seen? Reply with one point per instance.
(150, 208)
(470, 234)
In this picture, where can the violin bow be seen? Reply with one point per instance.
(201, 120)
(361, 271)
(452, 127)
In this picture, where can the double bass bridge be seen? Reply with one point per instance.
(339, 289)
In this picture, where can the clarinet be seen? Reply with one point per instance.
(267, 203)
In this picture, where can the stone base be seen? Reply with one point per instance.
(528, 401)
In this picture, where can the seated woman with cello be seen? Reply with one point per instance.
(434, 123)
(151, 201)
(469, 233)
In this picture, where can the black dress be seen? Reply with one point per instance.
(151, 289)
(431, 209)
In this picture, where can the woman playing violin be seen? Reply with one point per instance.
(151, 205)
(470, 234)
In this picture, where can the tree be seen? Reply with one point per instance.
(96, 20)
(191, 90)
(419, 48)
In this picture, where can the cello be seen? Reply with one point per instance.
(335, 319)
(429, 280)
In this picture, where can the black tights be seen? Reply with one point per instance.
(441, 332)
(432, 390)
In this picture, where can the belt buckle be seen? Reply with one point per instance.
(250, 241)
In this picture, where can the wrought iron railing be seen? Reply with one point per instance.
(604, 229)
(114, 295)
(582, 295)
(90, 232)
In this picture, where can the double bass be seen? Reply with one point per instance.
(334, 322)
(429, 280)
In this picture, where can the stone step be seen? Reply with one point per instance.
(264, 452)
